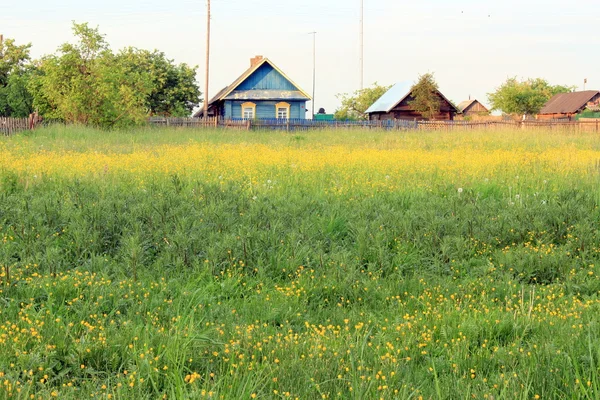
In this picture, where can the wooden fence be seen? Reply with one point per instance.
(9, 126)
(293, 125)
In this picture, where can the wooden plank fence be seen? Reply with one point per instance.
(293, 125)
(10, 126)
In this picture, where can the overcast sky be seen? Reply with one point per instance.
(471, 46)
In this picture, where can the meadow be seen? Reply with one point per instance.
(185, 264)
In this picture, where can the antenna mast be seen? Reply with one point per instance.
(207, 60)
(362, 43)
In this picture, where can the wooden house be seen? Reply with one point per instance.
(395, 104)
(470, 108)
(262, 92)
(568, 105)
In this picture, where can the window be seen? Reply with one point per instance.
(248, 110)
(282, 113)
(282, 110)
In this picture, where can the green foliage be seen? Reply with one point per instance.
(425, 99)
(525, 97)
(15, 72)
(353, 106)
(86, 83)
(174, 88)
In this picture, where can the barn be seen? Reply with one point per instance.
(395, 104)
(263, 91)
(568, 105)
(470, 108)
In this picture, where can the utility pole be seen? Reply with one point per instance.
(362, 43)
(314, 71)
(207, 60)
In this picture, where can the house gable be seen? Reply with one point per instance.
(263, 85)
(266, 78)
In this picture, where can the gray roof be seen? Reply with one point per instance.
(266, 95)
(566, 103)
(463, 105)
(391, 98)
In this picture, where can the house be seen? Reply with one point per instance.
(568, 105)
(469, 108)
(262, 92)
(395, 104)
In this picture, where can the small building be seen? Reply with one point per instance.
(395, 104)
(568, 105)
(262, 92)
(323, 116)
(470, 108)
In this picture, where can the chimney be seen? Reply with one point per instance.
(254, 61)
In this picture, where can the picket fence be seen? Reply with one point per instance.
(10, 126)
(307, 124)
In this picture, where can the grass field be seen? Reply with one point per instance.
(354, 265)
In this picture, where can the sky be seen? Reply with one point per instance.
(472, 47)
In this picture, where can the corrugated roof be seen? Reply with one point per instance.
(391, 98)
(567, 103)
(265, 95)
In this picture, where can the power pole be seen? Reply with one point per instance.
(314, 71)
(362, 43)
(207, 60)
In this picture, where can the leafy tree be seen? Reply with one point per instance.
(174, 88)
(86, 83)
(15, 71)
(425, 99)
(524, 97)
(353, 106)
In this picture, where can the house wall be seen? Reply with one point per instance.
(266, 78)
(265, 109)
(568, 116)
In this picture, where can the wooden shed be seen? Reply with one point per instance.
(568, 105)
(395, 104)
(262, 92)
(470, 108)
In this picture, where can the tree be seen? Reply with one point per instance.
(15, 72)
(174, 88)
(354, 106)
(524, 97)
(425, 98)
(86, 83)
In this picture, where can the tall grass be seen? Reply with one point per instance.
(190, 264)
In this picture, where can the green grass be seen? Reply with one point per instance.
(191, 285)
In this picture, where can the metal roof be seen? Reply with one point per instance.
(221, 95)
(265, 95)
(391, 98)
(567, 103)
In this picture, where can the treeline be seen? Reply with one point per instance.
(87, 82)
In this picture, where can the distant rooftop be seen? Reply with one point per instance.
(568, 103)
(391, 98)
